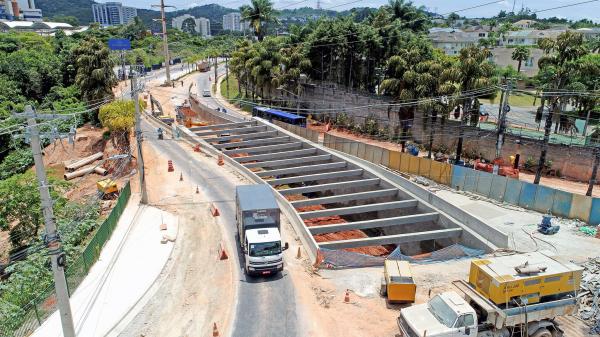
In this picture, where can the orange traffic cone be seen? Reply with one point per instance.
(181, 176)
(214, 210)
(215, 330)
(197, 190)
(220, 161)
(347, 297)
(223, 255)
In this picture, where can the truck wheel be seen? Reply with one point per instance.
(543, 332)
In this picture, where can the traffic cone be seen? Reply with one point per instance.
(197, 190)
(223, 255)
(181, 176)
(170, 166)
(214, 210)
(299, 255)
(220, 160)
(347, 297)
(215, 330)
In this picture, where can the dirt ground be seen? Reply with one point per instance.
(182, 305)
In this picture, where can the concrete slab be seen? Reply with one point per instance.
(221, 126)
(262, 141)
(315, 177)
(382, 206)
(377, 223)
(292, 161)
(271, 156)
(302, 169)
(266, 148)
(393, 239)
(232, 131)
(244, 136)
(331, 187)
(346, 197)
(119, 279)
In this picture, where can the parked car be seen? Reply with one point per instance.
(205, 93)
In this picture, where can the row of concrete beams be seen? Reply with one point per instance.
(382, 206)
(291, 161)
(249, 143)
(346, 197)
(393, 239)
(276, 155)
(331, 186)
(376, 223)
(266, 148)
(246, 129)
(315, 177)
(221, 126)
(302, 169)
(246, 136)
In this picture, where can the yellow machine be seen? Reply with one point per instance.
(107, 187)
(399, 285)
(524, 278)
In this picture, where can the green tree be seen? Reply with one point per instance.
(260, 13)
(520, 54)
(20, 210)
(119, 117)
(95, 76)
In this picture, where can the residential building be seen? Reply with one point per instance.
(502, 56)
(113, 13)
(528, 37)
(200, 25)
(34, 15)
(4, 15)
(525, 24)
(20, 9)
(452, 43)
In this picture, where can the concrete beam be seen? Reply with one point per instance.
(302, 169)
(346, 197)
(266, 148)
(359, 209)
(233, 131)
(285, 162)
(314, 177)
(269, 156)
(243, 137)
(221, 126)
(330, 187)
(377, 223)
(393, 239)
(262, 141)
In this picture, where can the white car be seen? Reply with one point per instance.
(205, 93)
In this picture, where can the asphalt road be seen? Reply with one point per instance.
(266, 306)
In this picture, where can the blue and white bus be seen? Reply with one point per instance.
(273, 114)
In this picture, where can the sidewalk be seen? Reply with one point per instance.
(129, 264)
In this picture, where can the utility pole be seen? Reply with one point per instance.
(138, 137)
(51, 237)
(594, 172)
(165, 41)
(227, 75)
(502, 111)
(547, 130)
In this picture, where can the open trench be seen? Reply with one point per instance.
(342, 205)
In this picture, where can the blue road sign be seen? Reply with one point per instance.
(119, 44)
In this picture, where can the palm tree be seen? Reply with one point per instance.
(520, 54)
(474, 71)
(95, 76)
(259, 14)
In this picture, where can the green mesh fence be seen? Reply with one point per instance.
(32, 315)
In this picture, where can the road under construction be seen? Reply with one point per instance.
(333, 202)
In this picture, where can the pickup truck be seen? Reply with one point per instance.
(452, 315)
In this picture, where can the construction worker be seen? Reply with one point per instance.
(160, 133)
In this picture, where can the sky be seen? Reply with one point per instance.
(589, 10)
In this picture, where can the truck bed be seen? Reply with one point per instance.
(500, 318)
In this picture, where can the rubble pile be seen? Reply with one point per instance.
(589, 297)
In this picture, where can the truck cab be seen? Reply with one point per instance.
(263, 251)
(446, 314)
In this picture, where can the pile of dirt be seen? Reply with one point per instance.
(88, 140)
(336, 236)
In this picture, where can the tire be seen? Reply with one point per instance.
(543, 332)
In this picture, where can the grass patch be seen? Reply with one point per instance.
(523, 101)
(234, 94)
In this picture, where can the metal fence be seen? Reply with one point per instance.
(32, 315)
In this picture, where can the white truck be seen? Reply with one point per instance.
(258, 219)
(451, 315)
